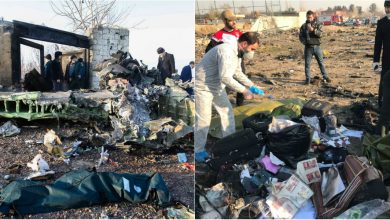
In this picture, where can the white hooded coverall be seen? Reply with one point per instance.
(218, 68)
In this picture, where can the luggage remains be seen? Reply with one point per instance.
(297, 168)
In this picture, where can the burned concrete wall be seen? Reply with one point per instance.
(6, 29)
(105, 41)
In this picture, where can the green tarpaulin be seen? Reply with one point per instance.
(242, 112)
(80, 189)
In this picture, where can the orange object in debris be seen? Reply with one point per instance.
(188, 166)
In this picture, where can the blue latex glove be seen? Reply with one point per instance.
(201, 156)
(256, 90)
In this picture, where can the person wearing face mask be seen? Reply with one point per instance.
(228, 34)
(382, 40)
(310, 36)
(166, 64)
(220, 67)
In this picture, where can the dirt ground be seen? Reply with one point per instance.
(348, 60)
(22, 148)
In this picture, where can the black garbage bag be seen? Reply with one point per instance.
(238, 147)
(205, 175)
(258, 122)
(290, 144)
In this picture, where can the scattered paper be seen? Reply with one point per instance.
(281, 209)
(38, 164)
(331, 143)
(275, 160)
(286, 202)
(103, 157)
(40, 167)
(306, 212)
(350, 133)
(295, 190)
(309, 171)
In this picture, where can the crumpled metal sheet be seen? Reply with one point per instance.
(137, 96)
(104, 64)
(114, 69)
(9, 129)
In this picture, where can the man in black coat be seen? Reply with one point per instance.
(382, 40)
(166, 64)
(310, 36)
(69, 72)
(57, 72)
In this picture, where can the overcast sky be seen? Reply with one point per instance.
(168, 23)
(297, 4)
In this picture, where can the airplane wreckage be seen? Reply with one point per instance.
(131, 99)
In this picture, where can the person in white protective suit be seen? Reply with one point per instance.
(218, 68)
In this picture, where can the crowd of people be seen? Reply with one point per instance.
(74, 77)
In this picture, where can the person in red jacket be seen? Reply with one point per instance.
(228, 34)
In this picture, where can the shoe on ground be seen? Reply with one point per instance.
(307, 82)
(327, 80)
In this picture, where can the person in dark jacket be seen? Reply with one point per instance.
(47, 71)
(382, 40)
(77, 77)
(69, 71)
(186, 75)
(186, 72)
(57, 72)
(310, 36)
(166, 64)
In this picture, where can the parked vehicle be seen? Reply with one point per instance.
(374, 20)
(348, 23)
(353, 22)
(336, 19)
(330, 19)
(325, 19)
